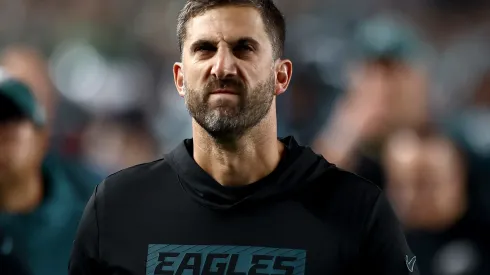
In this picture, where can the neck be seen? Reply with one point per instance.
(21, 197)
(241, 161)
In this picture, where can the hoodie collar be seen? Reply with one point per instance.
(293, 167)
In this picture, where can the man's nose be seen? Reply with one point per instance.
(225, 64)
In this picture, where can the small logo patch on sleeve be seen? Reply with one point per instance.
(410, 263)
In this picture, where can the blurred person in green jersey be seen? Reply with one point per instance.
(41, 195)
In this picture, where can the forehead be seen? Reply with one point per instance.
(227, 23)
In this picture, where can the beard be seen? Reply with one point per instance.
(226, 119)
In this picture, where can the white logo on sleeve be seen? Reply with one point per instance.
(410, 264)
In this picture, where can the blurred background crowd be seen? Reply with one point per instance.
(396, 91)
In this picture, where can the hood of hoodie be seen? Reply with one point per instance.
(299, 168)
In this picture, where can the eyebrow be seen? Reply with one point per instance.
(239, 41)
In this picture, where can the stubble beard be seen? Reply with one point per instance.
(225, 122)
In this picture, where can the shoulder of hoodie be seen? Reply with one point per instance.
(339, 184)
(339, 188)
(350, 182)
(342, 199)
(135, 179)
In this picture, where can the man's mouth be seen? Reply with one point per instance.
(224, 91)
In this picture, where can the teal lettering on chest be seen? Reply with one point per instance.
(223, 260)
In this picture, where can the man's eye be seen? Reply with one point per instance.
(204, 48)
(244, 48)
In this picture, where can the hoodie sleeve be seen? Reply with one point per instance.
(84, 258)
(385, 250)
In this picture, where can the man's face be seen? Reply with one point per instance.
(426, 181)
(21, 150)
(228, 76)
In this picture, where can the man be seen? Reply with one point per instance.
(235, 199)
(41, 196)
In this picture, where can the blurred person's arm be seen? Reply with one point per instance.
(351, 126)
(385, 250)
(84, 258)
(340, 139)
(358, 117)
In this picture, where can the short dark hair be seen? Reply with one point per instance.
(273, 19)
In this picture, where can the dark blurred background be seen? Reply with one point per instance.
(396, 91)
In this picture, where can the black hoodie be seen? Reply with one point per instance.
(306, 217)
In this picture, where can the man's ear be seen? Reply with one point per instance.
(179, 78)
(284, 71)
